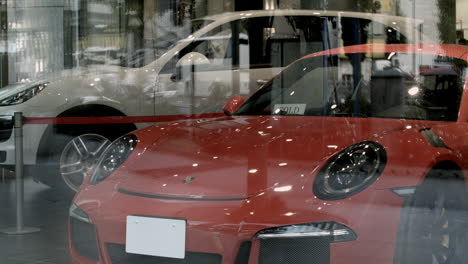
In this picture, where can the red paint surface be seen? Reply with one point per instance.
(114, 119)
(270, 163)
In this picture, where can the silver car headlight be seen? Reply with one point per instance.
(23, 95)
(350, 171)
(114, 156)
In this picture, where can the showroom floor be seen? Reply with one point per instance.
(43, 208)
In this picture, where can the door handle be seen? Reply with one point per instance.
(261, 82)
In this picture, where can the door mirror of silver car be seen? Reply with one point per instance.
(233, 105)
(186, 65)
(193, 59)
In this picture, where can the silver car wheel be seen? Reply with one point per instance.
(79, 155)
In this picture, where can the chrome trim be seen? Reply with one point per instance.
(144, 195)
(339, 232)
(6, 118)
(404, 191)
(73, 213)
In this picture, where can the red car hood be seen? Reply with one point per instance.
(235, 158)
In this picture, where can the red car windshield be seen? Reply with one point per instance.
(383, 85)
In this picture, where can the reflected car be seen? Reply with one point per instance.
(228, 54)
(101, 55)
(350, 155)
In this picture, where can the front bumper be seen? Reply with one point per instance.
(6, 132)
(6, 127)
(32, 135)
(226, 232)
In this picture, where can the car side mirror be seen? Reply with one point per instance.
(233, 105)
(186, 65)
(193, 59)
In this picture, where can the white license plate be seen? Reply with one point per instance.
(156, 236)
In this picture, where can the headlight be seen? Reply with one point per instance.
(24, 95)
(350, 171)
(113, 157)
(332, 231)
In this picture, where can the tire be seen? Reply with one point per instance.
(75, 149)
(434, 221)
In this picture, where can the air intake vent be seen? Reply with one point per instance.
(433, 138)
(84, 240)
(295, 251)
(243, 253)
(118, 255)
(6, 128)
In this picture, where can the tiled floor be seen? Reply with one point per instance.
(43, 208)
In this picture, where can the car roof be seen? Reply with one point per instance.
(449, 50)
(301, 12)
(408, 26)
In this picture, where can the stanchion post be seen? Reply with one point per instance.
(19, 164)
(18, 121)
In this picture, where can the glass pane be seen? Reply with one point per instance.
(233, 131)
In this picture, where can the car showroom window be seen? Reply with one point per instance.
(233, 131)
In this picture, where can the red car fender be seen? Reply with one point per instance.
(410, 157)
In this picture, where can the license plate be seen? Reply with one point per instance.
(153, 236)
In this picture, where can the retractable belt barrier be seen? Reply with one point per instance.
(20, 121)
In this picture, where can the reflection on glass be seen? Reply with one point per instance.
(372, 86)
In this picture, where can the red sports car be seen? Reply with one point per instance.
(351, 155)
